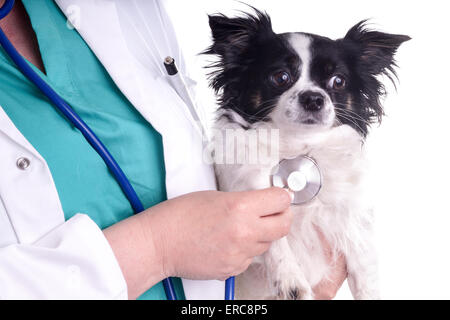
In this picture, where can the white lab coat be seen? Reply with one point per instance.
(42, 256)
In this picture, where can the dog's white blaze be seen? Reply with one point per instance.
(289, 113)
(302, 45)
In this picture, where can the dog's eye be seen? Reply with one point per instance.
(280, 79)
(337, 82)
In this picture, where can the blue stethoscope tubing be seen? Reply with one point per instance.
(89, 135)
(80, 125)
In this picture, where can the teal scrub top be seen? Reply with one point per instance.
(82, 180)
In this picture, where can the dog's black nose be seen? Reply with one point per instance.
(311, 100)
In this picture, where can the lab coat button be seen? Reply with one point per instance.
(23, 163)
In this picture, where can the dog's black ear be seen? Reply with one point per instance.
(233, 36)
(374, 54)
(376, 49)
(235, 42)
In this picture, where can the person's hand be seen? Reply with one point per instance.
(215, 235)
(328, 288)
(203, 235)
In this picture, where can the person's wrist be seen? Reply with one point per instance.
(134, 247)
(154, 227)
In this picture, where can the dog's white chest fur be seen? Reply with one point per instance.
(297, 262)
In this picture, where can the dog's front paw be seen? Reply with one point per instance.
(291, 288)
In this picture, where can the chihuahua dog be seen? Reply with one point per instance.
(320, 96)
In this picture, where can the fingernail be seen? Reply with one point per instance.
(291, 193)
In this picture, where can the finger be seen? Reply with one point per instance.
(254, 248)
(264, 202)
(243, 267)
(275, 227)
(328, 287)
(259, 248)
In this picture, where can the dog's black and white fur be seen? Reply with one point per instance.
(321, 95)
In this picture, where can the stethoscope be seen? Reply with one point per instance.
(300, 175)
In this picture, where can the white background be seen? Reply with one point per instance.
(409, 151)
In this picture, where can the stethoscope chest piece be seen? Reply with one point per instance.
(300, 175)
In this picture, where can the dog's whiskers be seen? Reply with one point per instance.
(351, 113)
(348, 118)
